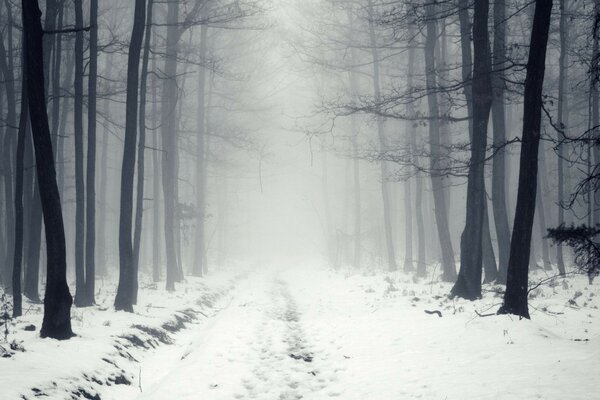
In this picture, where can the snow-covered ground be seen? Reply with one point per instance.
(315, 334)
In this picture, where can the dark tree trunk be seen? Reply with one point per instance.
(18, 200)
(468, 284)
(6, 66)
(57, 302)
(63, 123)
(441, 216)
(56, 78)
(139, 201)
(515, 297)
(90, 201)
(562, 121)
(80, 286)
(34, 239)
(595, 89)
(499, 128)
(124, 298)
(101, 244)
(490, 268)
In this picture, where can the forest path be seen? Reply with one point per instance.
(256, 348)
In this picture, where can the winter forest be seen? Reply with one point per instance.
(299, 199)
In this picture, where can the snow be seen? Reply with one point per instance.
(313, 333)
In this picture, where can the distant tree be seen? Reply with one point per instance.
(90, 200)
(81, 298)
(57, 301)
(515, 297)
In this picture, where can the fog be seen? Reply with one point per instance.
(286, 199)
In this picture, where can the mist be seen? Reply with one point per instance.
(360, 199)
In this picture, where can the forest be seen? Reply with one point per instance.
(287, 199)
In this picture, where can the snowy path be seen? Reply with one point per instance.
(256, 348)
(317, 335)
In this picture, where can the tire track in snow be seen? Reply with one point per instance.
(285, 370)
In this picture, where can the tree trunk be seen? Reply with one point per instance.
(90, 201)
(441, 216)
(515, 297)
(80, 286)
(541, 210)
(468, 284)
(101, 256)
(139, 201)
(124, 298)
(387, 214)
(562, 121)
(18, 200)
(6, 66)
(499, 128)
(156, 253)
(57, 302)
(198, 266)
(169, 138)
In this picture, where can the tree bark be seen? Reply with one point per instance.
(124, 298)
(515, 297)
(57, 302)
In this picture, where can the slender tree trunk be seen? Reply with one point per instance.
(441, 216)
(18, 200)
(124, 298)
(90, 201)
(101, 256)
(515, 297)
(63, 123)
(56, 68)
(541, 210)
(57, 302)
(562, 121)
(198, 266)
(139, 201)
(355, 156)
(80, 286)
(156, 228)
(169, 139)
(387, 215)
(468, 284)
(6, 66)
(499, 128)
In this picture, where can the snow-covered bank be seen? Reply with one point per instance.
(372, 339)
(109, 345)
